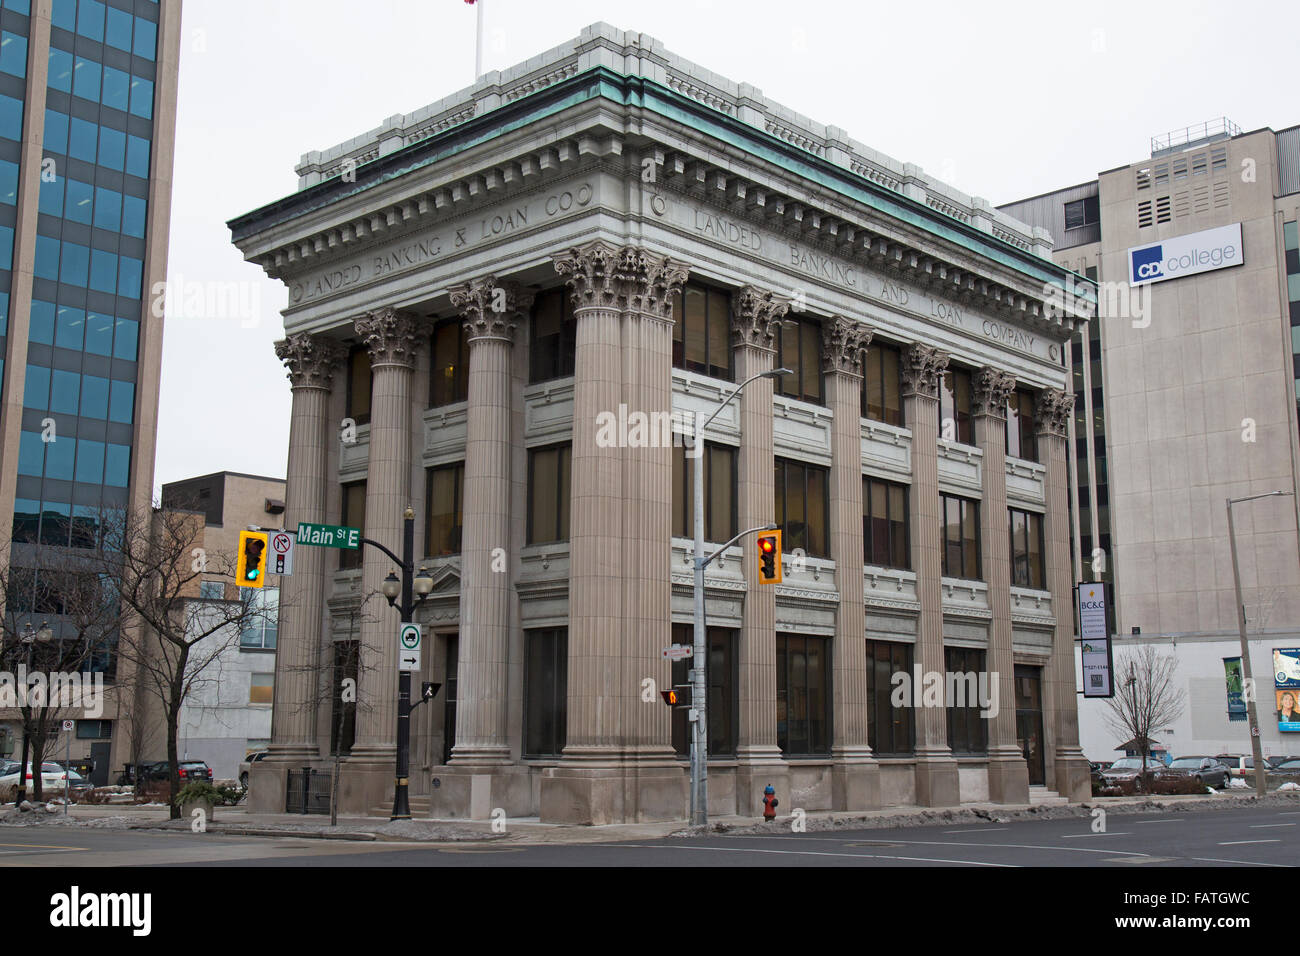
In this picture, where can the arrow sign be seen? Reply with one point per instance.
(281, 552)
(408, 647)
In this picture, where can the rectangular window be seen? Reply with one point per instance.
(882, 390)
(1082, 212)
(450, 697)
(554, 336)
(261, 688)
(799, 348)
(359, 384)
(353, 516)
(262, 624)
(443, 505)
(884, 524)
(94, 729)
(702, 331)
(1020, 425)
(343, 716)
(961, 537)
(212, 591)
(1027, 549)
(548, 494)
(967, 730)
(890, 730)
(803, 695)
(449, 370)
(719, 493)
(546, 682)
(721, 678)
(954, 407)
(801, 507)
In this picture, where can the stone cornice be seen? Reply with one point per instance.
(310, 359)
(490, 308)
(921, 370)
(392, 336)
(1052, 411)
(755, 317)
(601, 275)
(990, 388)
(844, 342)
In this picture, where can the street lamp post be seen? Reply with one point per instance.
(28, 638)
(699, 690)
(1252, 713)
(411, 589)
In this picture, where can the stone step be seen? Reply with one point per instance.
(1041, 796)
(419, 804)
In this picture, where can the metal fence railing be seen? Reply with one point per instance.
(307, 791)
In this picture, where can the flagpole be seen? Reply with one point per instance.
(478, 43)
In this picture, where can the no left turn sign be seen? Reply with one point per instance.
(281, 552)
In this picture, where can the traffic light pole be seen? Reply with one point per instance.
(699, 655)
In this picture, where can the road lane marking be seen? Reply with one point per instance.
(985, 830)
(1265, 826)
(42, 846)
(984, 846)
(1209, 859)
(1139, 822)
(1079, 836)
(1240, 842)
(854, 856)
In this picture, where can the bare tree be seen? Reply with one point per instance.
(169, 635)
(1146, 698)
(59, 613)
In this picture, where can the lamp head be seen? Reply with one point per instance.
(391, 587)
(423, 582)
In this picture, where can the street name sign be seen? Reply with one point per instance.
(329, 535)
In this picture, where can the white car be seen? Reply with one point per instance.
(52, 778)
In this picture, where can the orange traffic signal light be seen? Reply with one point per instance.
(679, 696)
(769, 557)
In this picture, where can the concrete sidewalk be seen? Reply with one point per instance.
(237, 821)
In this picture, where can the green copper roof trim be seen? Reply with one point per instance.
(600, 81)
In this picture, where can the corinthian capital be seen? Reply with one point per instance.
(755, 316)
(1052, 411)
(843, 343)
(391, 336)
(989, 391)
(602, 275)
(922, 370)
(489, 308)
(310, 359)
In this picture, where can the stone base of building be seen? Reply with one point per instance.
(937, 782)
(473, 793)
(855, 784)
(366, 781)
(268, 778)
(1008, 779)
(1073, 776)
(757, 772)
(594, 796)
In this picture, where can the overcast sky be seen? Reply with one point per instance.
(1002, 100)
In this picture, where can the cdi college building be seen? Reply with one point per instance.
(489, 298)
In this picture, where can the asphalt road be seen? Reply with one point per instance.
(1218, 838)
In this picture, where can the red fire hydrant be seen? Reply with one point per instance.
(769, 803)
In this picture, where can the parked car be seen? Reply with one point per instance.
(244, 768)
(1237, 764)
(1206, 770)
(189, 771)
(52, 780)
(1276, 759)
(1129, 769)
(1286, 766)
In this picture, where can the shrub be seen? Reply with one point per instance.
(198, 792)
(229, 796)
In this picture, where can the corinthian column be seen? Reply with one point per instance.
(490, 310)
(1052, 413)
(391, 337)
(756, 315)
(617, 763)
(855, 777)
(310, 361)
(922, 373)
(1008, 775)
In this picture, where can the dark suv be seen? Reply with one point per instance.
(190, 771)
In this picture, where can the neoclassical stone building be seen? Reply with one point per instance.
(610, 229)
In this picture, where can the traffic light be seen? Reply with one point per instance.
(769, 557)
(250, 568)
(679, 696)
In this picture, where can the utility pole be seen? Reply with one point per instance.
(1252, 714)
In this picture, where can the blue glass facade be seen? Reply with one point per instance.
(81, 380)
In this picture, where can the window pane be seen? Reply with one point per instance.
(36, 388)
(810, 361)
(445, 510)
(970, 536)
(1034, 529)
(60, 70)
(359, 385)
(122, 407)
(719, 335)
(90, 461)
(694, 329)
(682, 506)
(108, 209)
(124, 342)
(543, 495)
(117, 88)
(817, 538)
(85, 79)
(65, 392)
(796, 509)
(99, 333)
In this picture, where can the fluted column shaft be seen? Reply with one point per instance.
(391, 339)
(1053, 411)
(1009, 783)
(844, 343)
(311, 362)
(485, 585)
